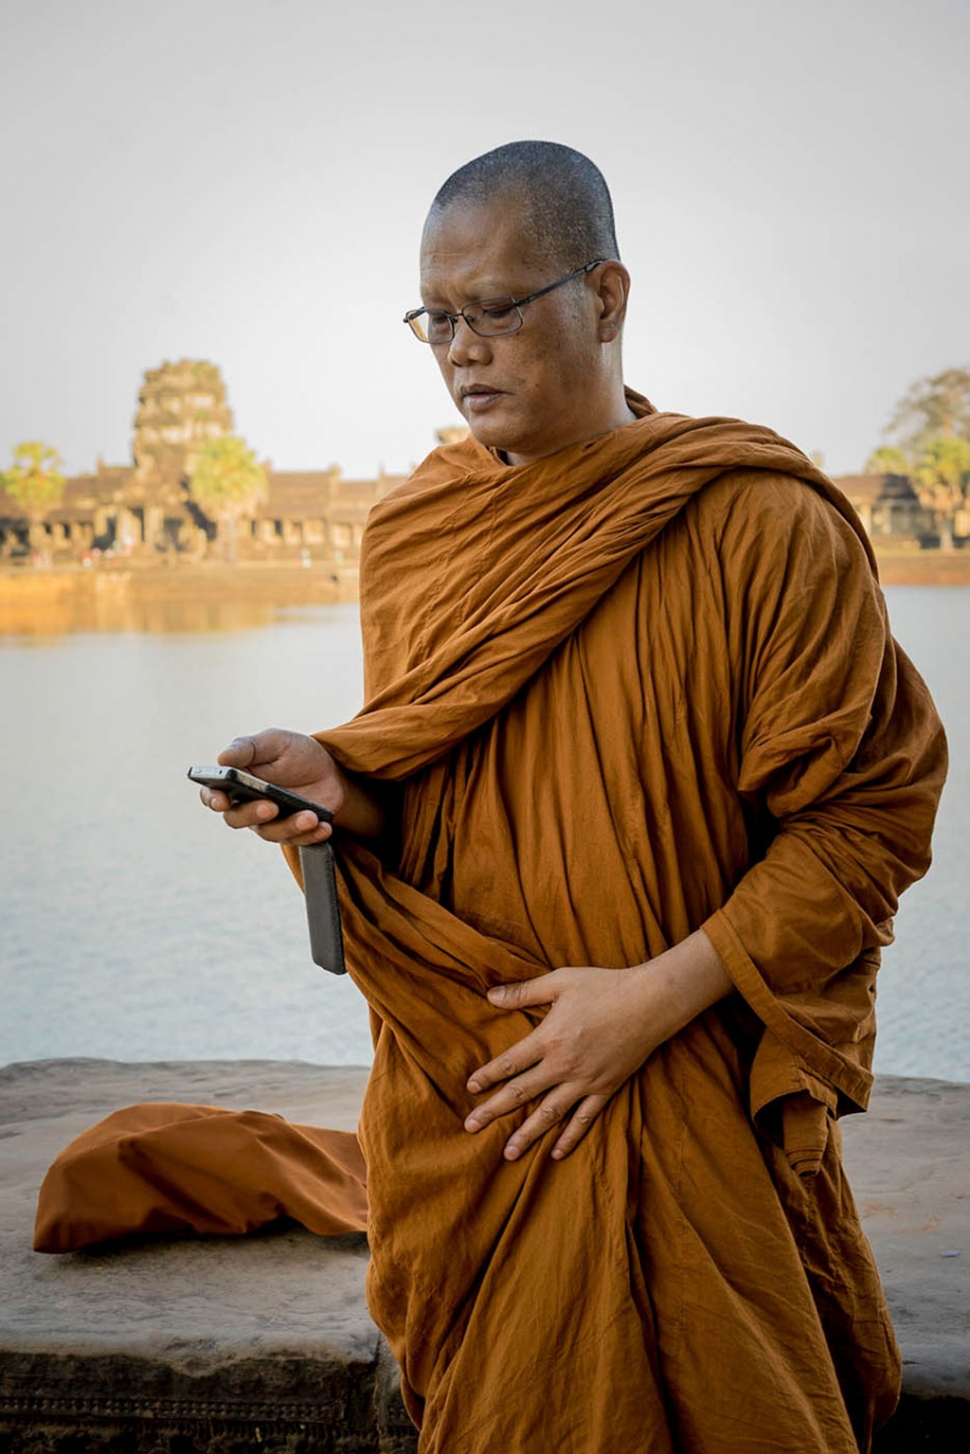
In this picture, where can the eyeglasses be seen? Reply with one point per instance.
(489, 318)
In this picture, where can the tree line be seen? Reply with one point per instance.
(929, 434)
(226, 482)
(930, 440)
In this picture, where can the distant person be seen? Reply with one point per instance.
(622, 827)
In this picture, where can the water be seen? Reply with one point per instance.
(924, 983)
(135, 927)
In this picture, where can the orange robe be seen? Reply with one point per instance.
(641, 686)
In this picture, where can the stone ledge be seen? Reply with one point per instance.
(227, 1345)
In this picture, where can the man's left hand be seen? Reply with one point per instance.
(603, 1024)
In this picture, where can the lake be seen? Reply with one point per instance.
(135, 927)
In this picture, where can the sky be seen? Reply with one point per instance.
(245, 181)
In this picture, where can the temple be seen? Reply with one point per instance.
(145, 511)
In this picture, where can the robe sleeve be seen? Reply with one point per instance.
(840, 761)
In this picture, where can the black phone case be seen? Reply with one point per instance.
(322, 907)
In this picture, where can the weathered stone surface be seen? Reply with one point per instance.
(229, 1345)
(180, 1345)
(908, 1160)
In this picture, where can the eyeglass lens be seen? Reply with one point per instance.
(488, 319)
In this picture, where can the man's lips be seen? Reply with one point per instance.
(479, 396)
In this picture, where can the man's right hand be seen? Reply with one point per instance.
(292, 760)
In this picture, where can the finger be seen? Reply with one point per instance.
(298, 831)
(548, 1113)
(526, 1053)
(512, 1097)
(252, 814)
(577, 1126)
(238, 815)
(538, 991)
(212, 798)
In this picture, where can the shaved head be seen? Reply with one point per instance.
(565, 205)
(530, 226)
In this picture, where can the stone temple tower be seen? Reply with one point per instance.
(180, 407)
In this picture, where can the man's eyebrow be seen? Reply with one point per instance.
(479, 295)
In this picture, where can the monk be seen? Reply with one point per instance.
(621, 831)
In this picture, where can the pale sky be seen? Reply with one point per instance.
(245, 181)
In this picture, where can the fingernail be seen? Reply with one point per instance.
(264, 810)
(511, 1153)
(497, 994)
(474, 1087)
(472, 1125)
(558, 1155)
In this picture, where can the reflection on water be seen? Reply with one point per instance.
(135, 927)
(68, 616)
(196, 599)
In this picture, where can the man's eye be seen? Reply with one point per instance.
(498, 312)
(437, 324)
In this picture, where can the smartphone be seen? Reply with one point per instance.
(243, 787)
(319, 875)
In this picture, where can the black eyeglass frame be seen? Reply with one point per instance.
(411, 317)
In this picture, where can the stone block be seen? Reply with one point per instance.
(226, 1345)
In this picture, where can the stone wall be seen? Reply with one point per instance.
(228, 1345)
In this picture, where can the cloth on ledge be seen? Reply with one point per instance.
(159, 1167)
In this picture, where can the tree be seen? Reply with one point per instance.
(931, 426)
(226, 482)
(943, 471)
(36, 483)
(888, 460)
(936, 407)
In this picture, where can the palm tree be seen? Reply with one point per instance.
(226, 482)
(943, 474)
(35, 482)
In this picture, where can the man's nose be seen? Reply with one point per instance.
(467, 346)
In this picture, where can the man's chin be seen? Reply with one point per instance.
(492, 432)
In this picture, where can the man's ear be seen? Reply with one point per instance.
(612, 284)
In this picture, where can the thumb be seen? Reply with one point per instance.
(241, 752)
(258, 749)
(538, 991)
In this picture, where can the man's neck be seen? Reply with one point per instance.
(620, 415)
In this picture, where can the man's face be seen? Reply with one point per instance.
(526, 393)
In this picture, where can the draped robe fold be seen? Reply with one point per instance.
(643, 686)
(639, 687)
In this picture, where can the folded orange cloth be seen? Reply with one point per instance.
(181, 1168)
(636, 688)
